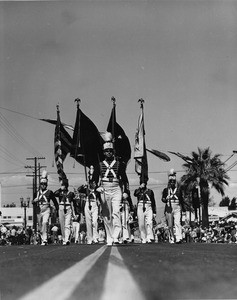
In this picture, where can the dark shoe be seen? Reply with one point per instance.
(179, 242)
(116, 242)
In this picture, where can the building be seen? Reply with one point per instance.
(18, 216)
(11, 216)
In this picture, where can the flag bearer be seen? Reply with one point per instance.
(113, 185)
(172, 197)
(146, 211)
(66, 210)
(43, 198)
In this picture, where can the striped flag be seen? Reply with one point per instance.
(62, 145)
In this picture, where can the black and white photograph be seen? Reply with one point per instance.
(118, 149)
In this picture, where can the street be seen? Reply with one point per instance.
(132, 271)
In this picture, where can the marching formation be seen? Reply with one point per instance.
(106, 197)
(106, 194)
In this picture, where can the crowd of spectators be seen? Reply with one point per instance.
(220, 232)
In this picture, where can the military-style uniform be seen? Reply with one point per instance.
(172, 197)
(66, 212)
(91, 212)
(43, 198)
(146, 209)
(113, 183)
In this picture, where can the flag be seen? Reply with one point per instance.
(54, 122)
(121, 142)
(159, 154)
(140, 154)
(87, 141)
(62, 146)
(185, 158)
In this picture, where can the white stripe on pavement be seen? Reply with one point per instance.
(119, 283)
(63, 285)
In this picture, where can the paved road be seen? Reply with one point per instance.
(124, 272)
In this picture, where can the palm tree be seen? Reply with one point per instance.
(205, 171)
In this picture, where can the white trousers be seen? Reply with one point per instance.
(91, 216)
(111, 204)
(75, 230)
(65, 220)
(43, 219)
(174, 221)
(145, 222)
(124, 220)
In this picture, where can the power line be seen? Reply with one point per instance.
(8, 127)
(19, 113)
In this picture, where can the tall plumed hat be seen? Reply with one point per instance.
(44, 177)
(108, 144)
(172, 174)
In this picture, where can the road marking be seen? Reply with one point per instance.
(63, 285)
(119, 283)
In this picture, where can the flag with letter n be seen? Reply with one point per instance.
(140, 155)
(62, 145)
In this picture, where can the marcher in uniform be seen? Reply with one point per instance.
(172, 197)
(113, 185)
(66, 210)
(146, 211)
(43, 198)
(91, 212)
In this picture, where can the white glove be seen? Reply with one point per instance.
(100, 189)
(35, 200)
(125, 195)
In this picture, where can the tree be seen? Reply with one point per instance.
(232, 205)
(225, 201)
(205, 171)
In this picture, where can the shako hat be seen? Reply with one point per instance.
(44, 177)
(172, 174)
(108, 144)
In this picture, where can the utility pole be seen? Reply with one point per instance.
(35, 186)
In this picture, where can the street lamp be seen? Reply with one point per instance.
(25, 204)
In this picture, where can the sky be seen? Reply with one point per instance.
(178, 55)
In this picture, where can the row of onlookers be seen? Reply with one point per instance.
(218, 233)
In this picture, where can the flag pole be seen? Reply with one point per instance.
(113, 123)
(113, 118)
(80, 144)
(142, 176)
(142, 112)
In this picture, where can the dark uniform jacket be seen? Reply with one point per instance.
(175, 197)
(65, 197)
(45, 197)
(145, 196)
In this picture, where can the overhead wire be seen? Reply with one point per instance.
(8, 127)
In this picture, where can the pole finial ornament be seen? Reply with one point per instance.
(78, 101)
(113, 100)
(141, 101)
